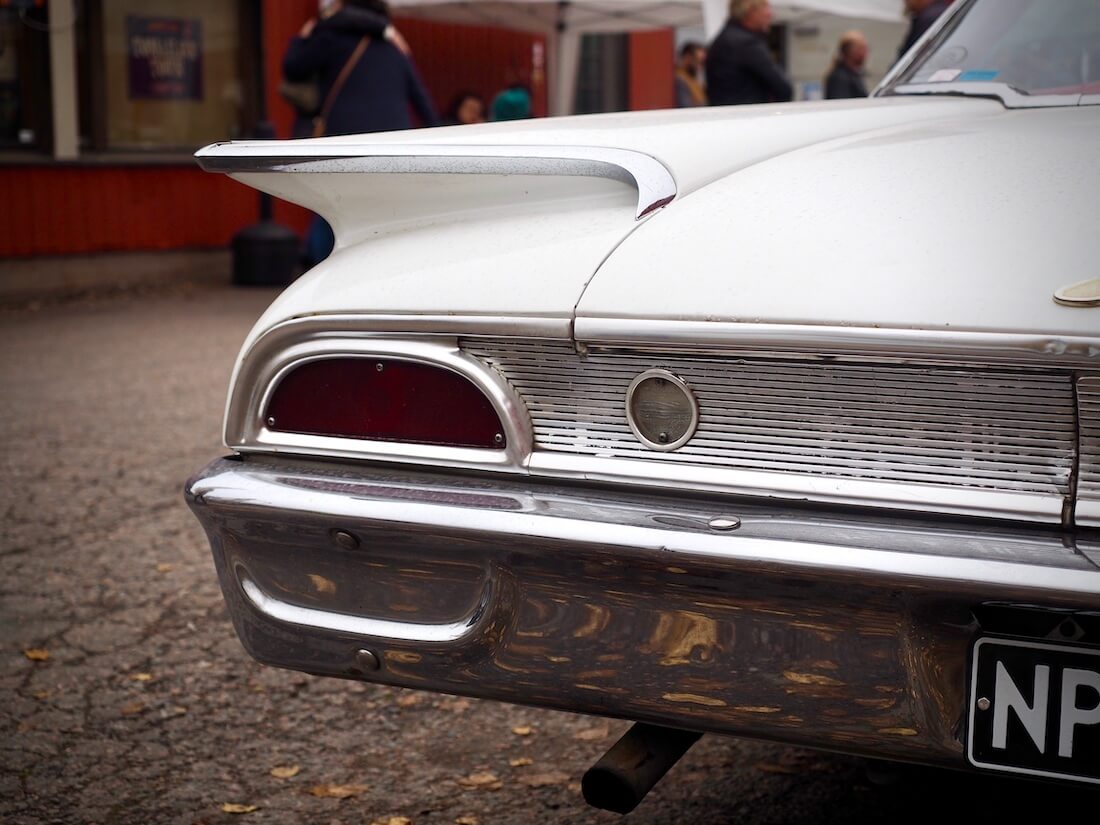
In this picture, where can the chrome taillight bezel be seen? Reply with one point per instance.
(278, 352)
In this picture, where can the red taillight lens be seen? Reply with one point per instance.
(385, 400)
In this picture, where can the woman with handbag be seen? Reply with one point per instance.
(365, 81)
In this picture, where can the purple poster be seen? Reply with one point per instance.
(165, 58)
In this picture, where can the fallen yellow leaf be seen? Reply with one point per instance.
(337, 791)
(456, 705)
(234, 808)
(321, 584)
(392, 820)
(521, 762)
(539, 780)
(41, 694)
(523, 730)
(165, 567)
(592, 734)
(408, 700)
(133, 708)
(141, 677)
(467, 820)
(285, 771)
(483, 779)
(37, 654)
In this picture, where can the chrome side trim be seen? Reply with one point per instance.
(377, 629)
(895, 345)
(970, 501)
(1087, 512)
(1008, 96)
(654, 182)
(247, 431)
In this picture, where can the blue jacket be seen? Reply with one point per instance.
(376, 95)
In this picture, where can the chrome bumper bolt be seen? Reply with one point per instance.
(367, 661)
(984, 704)
(345, 539)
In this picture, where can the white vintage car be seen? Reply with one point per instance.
(776, 421)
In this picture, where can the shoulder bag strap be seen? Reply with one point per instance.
(321, 120)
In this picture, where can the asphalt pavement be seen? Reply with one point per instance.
(126, 697)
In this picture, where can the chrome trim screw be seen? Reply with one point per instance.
(724, 523)
(498, 438)
(984, 704)
(379, 367)
(271, 421)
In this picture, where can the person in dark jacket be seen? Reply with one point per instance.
(845, 79)
(376, 94)
(739, 67)
(922, 14)
(381, 85)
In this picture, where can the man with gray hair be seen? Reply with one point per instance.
(739, 67)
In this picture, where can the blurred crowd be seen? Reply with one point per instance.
(738, 67)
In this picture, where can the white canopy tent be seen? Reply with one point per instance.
(564, 22)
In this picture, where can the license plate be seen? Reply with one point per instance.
(1035, 709)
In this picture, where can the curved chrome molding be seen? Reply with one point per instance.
(654, 182)
(379, 629)
(897, 345)
(1008, 96)
(263, 368)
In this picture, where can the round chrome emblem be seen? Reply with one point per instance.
(661, 410)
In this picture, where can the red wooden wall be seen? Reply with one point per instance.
(74, 208)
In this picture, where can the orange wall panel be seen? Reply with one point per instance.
(652, 67)
(55, 210)
(58, 209)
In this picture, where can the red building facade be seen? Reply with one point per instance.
(129, 183)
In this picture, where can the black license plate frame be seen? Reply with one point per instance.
(1006, 685)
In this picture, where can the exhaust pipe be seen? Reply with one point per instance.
(633, 765)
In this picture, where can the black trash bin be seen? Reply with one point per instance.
(265, 254)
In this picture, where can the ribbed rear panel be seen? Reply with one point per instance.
(994, 430)
(1088, 481)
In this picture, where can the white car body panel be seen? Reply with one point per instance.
(528, 246)
(965, 223)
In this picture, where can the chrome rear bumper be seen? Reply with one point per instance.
(828, 629)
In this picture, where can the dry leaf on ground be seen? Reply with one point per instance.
(455, 705)
(521, 762)
(37, 654)
(467, 820)
(539, 780)
(408, 700)
(392, 820)
(141, 677)
(235, 808)
(592, 734)
(337, 791)
(484, 780)
(285, 771)
(523, 730)
(132, 708)
(165, 567)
